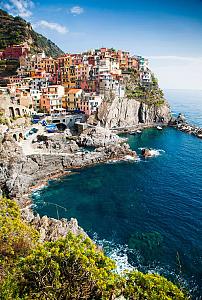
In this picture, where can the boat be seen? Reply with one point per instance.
(139, 131)
(159, 127)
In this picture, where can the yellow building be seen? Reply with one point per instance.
(70, 100)
(66, 71)
(48, 64)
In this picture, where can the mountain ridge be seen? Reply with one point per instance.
(16, 30)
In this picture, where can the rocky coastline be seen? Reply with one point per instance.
(20, 174)
(181, 124)
(58, 156)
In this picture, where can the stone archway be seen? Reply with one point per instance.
(17, 111)
(20, 136)
(11, 112)
(15, 137)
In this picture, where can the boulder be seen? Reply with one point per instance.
(146, 152)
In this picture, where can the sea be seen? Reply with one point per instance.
(146, 214)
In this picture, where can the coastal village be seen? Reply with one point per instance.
(48, 112)
(65, 94)
(72, 84)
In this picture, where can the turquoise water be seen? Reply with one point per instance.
(146, 214)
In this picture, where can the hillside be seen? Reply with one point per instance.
(15, 30)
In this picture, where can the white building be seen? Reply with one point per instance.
(110, 85)
(143, 63)
(38, 83)
(53, 95)
(145, 78)
(90, 102)
(36, 96)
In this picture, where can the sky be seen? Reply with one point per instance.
(167, 32)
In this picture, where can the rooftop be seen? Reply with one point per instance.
(73, 91)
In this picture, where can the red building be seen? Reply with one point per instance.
(16, 51)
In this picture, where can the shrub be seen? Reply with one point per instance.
(151, 286)
(16, 237)
(70, 268)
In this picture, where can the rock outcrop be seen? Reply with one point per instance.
(51, 229)
(125, 112)
(146, 152)
(18, 173)
(99, 137)
(181, 124)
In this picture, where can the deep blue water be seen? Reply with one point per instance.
(147, 214)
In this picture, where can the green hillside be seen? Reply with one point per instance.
(15, 30)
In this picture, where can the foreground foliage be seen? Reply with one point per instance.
(16, 237)
(69, 268)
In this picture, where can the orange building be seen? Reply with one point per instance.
(70, 100)
(45, 103)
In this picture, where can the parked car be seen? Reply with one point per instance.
(50, 128)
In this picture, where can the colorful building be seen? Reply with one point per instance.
(16, 51)
(71, 99)
(51, 99)
(89, 102)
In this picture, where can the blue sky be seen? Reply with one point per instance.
(169, 33)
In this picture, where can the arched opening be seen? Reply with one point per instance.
(17, 111)
(61, 126)
(11, 112)
(20, 136)
(15, 136)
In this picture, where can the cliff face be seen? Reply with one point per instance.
(15, 30)
(130, 112)
(142, 104)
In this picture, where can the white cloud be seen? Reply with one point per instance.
(76, 10)
(21, 8)
(52, 26)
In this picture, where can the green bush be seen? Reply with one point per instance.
(152, 287)
(70, 268)
(16, 237)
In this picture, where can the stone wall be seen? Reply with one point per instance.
(12, 110)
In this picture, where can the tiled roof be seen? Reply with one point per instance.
(73, 91)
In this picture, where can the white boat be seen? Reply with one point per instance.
(139, 131)
(132, 133)
(159, 127)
